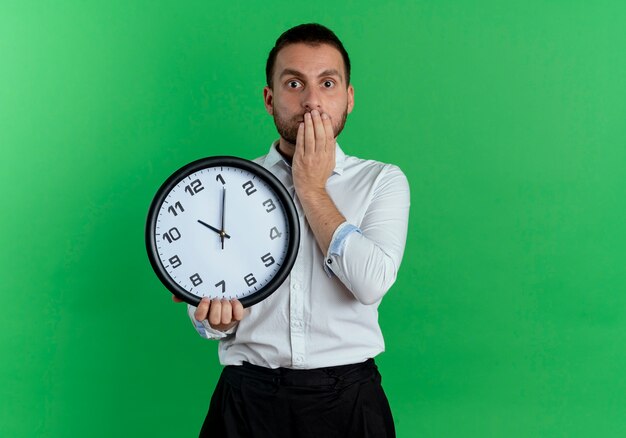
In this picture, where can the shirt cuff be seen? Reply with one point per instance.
(338, 244)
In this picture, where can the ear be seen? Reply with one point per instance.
(350, 98)
(268, 99)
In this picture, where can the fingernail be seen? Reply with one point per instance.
(324, 116)
(315, 112)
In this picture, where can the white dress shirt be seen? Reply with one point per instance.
(326, 311)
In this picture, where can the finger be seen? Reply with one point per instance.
(237, 310)
(215, 312)
(176, 299)
(309, 135)
(300, 141)
(227, 312)
(319, 130)
(329, 131)
(202, 309)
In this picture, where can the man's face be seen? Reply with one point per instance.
(306, 78)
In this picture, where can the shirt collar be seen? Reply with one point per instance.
(274, 157)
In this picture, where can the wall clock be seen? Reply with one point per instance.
(222, 227)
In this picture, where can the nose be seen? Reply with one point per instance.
(311, 99)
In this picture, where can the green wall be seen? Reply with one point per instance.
(509, 314)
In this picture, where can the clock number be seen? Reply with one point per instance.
(250, 280)
(175, 262)
(194, 187)
(171, 235)
(220, 179)
(270, 205)
(274, 233)
(268, 260)
(195, 279)
(249, 188)
(223, 284)
(172, 208)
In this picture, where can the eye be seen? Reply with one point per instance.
(294, 84)
(329, 84)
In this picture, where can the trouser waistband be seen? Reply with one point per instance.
(329, 376)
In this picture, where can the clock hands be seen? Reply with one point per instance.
(213, 228)
(221, 232)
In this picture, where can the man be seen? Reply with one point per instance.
(300, 363)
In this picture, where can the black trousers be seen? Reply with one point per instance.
(343, 401)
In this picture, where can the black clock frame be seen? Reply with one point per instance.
(224, 161)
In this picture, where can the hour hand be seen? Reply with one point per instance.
(221, 233)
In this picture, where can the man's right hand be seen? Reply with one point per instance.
(221, 314)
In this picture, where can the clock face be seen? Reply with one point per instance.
(222, 227)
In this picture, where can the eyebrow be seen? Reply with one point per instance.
(328, 72)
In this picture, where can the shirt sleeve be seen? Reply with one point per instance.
(204, 329)
(366, 259)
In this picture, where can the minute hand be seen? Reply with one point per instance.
(213, 228)
(222, 232)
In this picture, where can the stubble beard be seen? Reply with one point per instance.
(288, 128)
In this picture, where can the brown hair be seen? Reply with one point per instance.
(311, 33)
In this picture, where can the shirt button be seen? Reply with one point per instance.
(299, 359)
(329, 261)
(296, 286)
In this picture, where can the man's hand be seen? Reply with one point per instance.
(314, 157)
(221, 314)
(312, 165)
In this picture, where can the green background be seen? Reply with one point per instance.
(508, 317)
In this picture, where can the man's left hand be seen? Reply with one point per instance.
(314, 157)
